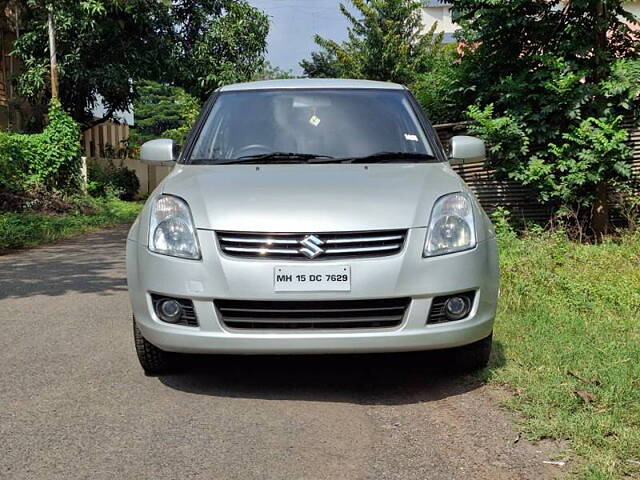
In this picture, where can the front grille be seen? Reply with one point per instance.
(318, 246)
(331, 314)
(188, 317)
(437, 313)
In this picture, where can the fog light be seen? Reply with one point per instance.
(169, 310)
(457, 307)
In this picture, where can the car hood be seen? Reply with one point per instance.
(311, 198)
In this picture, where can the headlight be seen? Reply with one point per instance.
(451, 228)
(171, 230)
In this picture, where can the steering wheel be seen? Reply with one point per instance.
(255, 149)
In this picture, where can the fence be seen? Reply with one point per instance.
(520, 200)
(106, 135)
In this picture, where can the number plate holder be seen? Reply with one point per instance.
(312, 278)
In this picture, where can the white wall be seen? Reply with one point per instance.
(633, 7)
(438, 13)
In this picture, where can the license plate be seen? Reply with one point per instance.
(312, 278)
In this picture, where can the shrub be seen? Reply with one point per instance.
(111, 179)
(14, 167)
(439, 88)
(48, 161)
(506, 139)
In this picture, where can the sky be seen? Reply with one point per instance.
(293, 25)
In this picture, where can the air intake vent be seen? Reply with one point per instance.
(340, 314)
(318, 246)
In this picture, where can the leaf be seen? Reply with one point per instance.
(585, 396)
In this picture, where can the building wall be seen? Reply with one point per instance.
(13, 110)
(440, 13)
(149, 176)
(633, 7)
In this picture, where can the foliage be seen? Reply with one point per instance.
(271, 72)
(161, 111)
(557, 75)
(103, 48)
(107, 47)
(386, 43)
(322, 64)
(216, 42)
(27, 229)
(592, 152)
(568, 321)
(14, 164)
(188, 112)
(49, 160)
(506, 139)
(109, 179)
(501, 219)
(440, 88)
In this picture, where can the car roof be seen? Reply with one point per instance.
(302, 83)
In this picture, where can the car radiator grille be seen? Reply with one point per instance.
(318, 246)
(331, 314)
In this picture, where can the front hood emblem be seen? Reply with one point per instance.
(311, 246)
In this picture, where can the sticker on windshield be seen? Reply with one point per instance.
(411, 136)
(314, 120)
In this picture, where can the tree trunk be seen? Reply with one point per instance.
(600, 219)
(52, 56)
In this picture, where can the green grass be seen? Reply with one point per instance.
(28, 229)
(569, 321)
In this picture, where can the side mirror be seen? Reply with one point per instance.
(465, 149)
(158, 152)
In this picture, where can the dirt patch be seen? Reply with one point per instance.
(43, 202)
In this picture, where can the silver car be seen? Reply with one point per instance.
(312, 216)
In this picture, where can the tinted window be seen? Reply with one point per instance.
(335, 123)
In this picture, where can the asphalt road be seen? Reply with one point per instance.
(74, 402)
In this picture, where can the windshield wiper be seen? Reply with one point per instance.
(381, 157)
(273, 156)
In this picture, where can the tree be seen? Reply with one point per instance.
(106, 48)
(547, 68)
(216, 42)
(440, 89)
(272, 72)
(322, 64)
(385, 42)
(157, 109)
(163, 111)
(103, 48)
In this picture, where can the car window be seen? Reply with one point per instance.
(332, 123)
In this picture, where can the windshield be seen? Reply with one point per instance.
(301, 125)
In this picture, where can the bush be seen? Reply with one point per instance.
(14, 165)
(506, 139)
(48, 161)
(111, 179)
(439, 88)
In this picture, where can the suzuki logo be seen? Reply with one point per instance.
(311, 246)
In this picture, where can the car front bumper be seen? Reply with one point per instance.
(405, 274)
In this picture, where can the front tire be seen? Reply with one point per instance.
(153, 360)
(472, 357)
